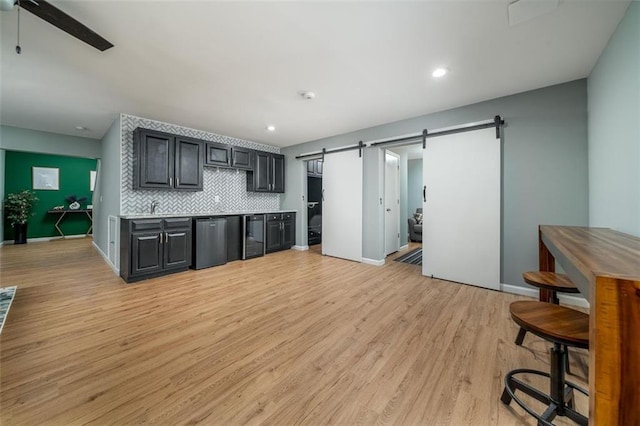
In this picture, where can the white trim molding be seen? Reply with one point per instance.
(44, 239)
(532, 292)
(106, 259)
(373, 261)
(300, 248)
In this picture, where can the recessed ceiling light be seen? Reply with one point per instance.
(271, 128)
(81, 128)
(439, 72)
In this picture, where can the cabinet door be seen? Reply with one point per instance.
(188, 167)
(177, 248)
(261, 175)
(274, 236)
(241, 158)
(146, 252)
(217, 155)
(288, 234)
(153, 159)
(277, 173)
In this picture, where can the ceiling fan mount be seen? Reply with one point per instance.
(56, 17)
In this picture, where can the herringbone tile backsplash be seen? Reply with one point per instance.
(229, 185)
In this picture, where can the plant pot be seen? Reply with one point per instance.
(20, 233)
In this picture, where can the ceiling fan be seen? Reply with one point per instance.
(45, 10)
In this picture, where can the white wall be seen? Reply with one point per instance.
(614, 130)
(106, 196)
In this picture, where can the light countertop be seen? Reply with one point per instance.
(200, 214)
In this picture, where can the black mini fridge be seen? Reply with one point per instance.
(210, 242)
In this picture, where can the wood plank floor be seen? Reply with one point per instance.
(290, 338)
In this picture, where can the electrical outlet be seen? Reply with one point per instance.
(216, 198)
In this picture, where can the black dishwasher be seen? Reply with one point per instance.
(210, 242)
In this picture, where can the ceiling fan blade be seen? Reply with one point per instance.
(66, 23)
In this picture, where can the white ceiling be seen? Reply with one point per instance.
(235, 67)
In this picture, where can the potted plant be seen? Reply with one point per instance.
(18, 206)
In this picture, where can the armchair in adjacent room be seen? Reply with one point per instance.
(415, 226)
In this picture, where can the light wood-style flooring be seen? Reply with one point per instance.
(290, 338)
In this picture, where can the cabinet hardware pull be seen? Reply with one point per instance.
(170, 181)
(161, 238)
(166, 237)
(177, 181)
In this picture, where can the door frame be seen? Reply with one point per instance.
(387, 221)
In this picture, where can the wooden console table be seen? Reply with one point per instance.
(64, 212)
(605, 266)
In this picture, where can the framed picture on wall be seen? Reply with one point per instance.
(46, 178)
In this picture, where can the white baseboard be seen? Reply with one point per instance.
(43, 239)
(404, 247)
(300, 248)
(373, 261)
(532, 292)
(106, 259)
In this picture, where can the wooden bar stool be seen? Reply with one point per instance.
(563, 327)
(551, 282)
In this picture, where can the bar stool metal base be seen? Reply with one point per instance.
(556, 406)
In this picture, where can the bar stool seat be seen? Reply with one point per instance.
(563, 327)
(556, 283)
(550, 281)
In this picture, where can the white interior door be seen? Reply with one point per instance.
(342, 205)
(392, 202)
(461, 212)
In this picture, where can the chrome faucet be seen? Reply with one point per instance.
(154, 206)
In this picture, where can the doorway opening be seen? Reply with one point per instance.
(314, 205)
(409, 202)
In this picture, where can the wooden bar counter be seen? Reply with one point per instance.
(605, 266)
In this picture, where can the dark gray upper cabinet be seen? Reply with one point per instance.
(314, 168)
(153, 159)
(277, 173)
(166, 161)
(267, 174)
(217, 155)
(221, 155)
(188, 164)
(241, 158)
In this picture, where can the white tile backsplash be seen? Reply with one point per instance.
(229, 185)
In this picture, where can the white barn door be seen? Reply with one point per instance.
(461, 210)
(342, 205)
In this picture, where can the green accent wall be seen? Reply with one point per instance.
(73, 179)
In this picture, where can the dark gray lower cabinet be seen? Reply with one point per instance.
(154, 247)
(281, 231)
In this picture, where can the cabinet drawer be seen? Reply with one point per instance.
(272, 217)
(146, 225)
(177, 222)
(287, 216)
